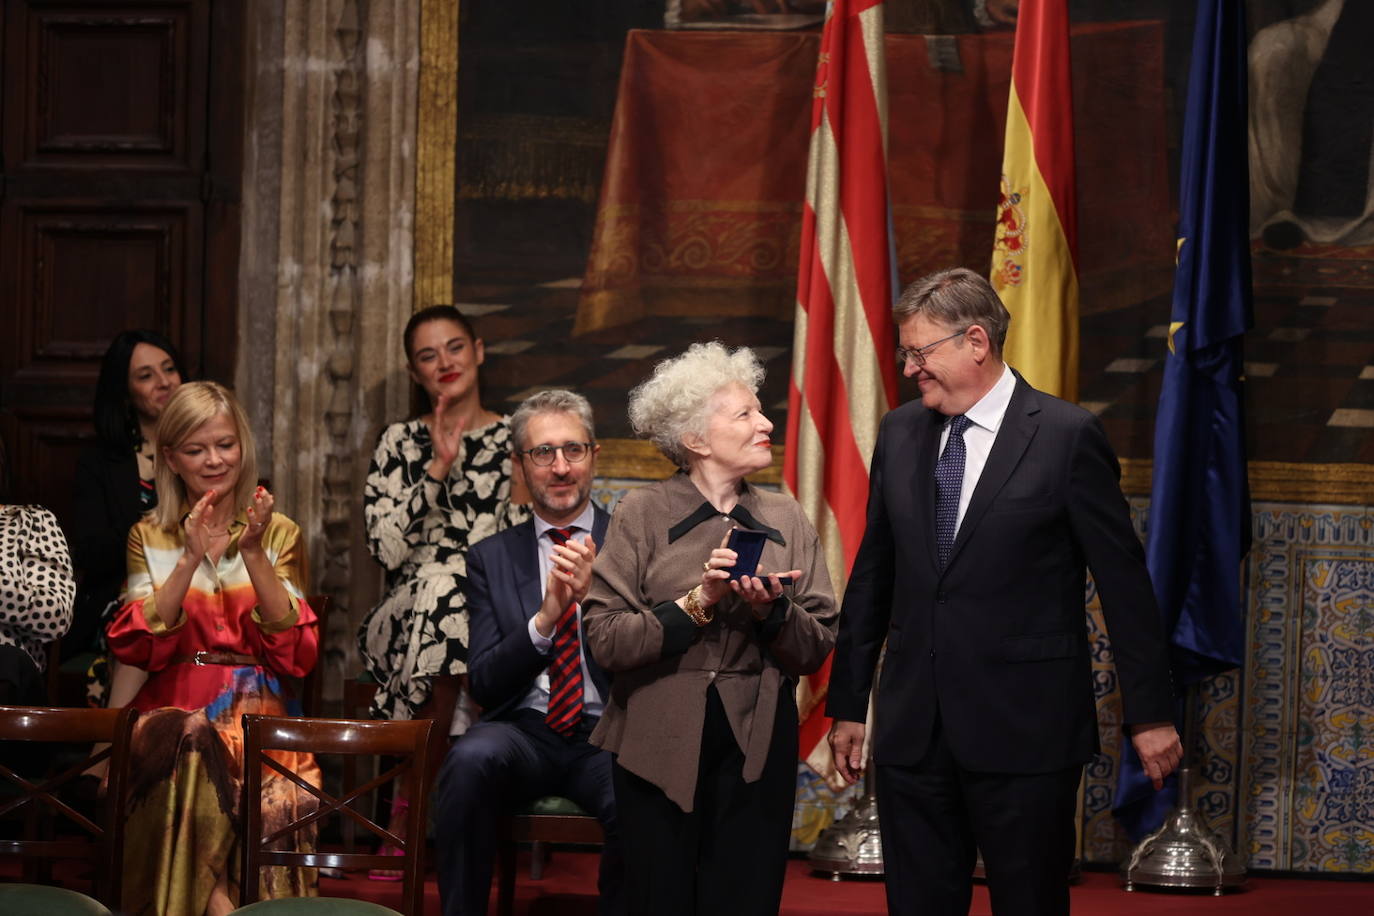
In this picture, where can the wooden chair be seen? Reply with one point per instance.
(312, 685)
(43, 810)
(546, 820)
(358, 693)
(408, 741)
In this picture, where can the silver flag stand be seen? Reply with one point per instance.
(1184, 852)
(852, 846)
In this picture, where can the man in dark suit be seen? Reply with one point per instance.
(540, 692)
(987, 501)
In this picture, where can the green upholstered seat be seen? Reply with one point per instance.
(314, 906)
(552, 805)
(42, 900)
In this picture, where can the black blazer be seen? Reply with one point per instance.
(107, 506)
(504, 591)
(998, 642)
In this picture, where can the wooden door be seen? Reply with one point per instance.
(120, 159)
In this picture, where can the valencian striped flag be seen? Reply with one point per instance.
(844, 376)
(1200, 496)
(1036, 242)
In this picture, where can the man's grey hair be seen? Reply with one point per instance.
(956, 298)
(554, 400)
(675, 401)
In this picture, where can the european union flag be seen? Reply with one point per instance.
(1200, 496)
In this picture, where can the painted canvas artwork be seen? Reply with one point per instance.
(626, 190)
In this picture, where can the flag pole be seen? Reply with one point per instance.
(1185, 852)
(843, 376)
(1200, 517)
(853, 845)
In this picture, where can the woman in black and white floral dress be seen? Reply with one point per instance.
(436, 485)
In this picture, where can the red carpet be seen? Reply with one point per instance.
(568, 888)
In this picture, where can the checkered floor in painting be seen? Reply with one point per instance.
(1309, 361)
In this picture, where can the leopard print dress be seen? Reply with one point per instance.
(36, 583)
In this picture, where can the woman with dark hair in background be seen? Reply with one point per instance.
(114, 488)
(437, 484)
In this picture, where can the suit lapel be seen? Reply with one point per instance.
(525, 569)
(600, 521)
(1015, 434)
(926, 445)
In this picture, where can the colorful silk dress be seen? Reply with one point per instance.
(188, 742)
(419, 529)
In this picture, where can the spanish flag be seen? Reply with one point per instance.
(1036, 246)
(844, 377)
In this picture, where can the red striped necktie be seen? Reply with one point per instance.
(565, 671)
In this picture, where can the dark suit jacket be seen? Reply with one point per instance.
(504, 590)
(107, 506)
(998, 642)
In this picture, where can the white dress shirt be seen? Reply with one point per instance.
(985, 418)
(538, 697)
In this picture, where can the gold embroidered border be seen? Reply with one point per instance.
(435, 145)
(1281, 482)
(637, 459)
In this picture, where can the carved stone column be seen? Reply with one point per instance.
(326, 273)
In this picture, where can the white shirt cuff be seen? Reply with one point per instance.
(543, 644)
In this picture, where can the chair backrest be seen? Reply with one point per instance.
(312, 685)
(39, 800)
(406, 740)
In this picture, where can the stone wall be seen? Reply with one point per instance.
(326, 276)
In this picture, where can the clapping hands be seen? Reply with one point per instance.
(196, 526)
(447, 440)
(569, 580)
(259, 514)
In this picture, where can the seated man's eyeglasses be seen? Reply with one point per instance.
(573, 452)
(917, 355)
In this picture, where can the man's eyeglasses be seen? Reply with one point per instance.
(917, 355)
(543, 455)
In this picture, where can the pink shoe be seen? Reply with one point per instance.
(399, 808)
(386, 874)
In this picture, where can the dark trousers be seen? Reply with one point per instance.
(729, 854)
(21, 683)
(936, 816)
(495, 767)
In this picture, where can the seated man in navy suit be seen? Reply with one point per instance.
(541, 694)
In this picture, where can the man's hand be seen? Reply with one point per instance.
(572, 569)
(1159, 750)
(847, 747)
(569, 579)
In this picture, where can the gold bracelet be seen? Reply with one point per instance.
(691, 605)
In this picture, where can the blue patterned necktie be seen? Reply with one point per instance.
(949, 480)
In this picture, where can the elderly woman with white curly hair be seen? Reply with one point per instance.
(702, 717)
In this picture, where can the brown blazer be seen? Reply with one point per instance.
(662, 663)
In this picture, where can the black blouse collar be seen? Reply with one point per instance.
(739, 514)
